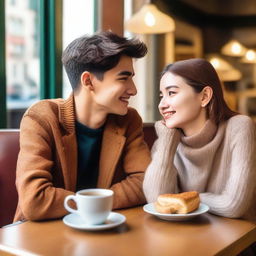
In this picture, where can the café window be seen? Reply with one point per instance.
(22, 58)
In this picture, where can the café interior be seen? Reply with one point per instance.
(223, 32)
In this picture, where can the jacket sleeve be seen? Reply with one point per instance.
(133, 163)
(38, 197)
(161, 174)
(237, 195)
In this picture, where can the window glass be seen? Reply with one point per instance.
(78, 19)
(22, 57)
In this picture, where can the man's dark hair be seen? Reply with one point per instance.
(98, 54)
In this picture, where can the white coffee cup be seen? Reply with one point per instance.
(93, 205)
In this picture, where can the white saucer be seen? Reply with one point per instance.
(114, 219)
(149, 208)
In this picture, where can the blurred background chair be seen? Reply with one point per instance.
(9, 149)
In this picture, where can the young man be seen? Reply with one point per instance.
(92, 139)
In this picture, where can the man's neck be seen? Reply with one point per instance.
(87, 113)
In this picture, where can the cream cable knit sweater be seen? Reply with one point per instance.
(218, 162)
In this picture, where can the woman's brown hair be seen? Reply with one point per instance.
(199, 73)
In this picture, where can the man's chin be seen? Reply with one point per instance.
(122, 112)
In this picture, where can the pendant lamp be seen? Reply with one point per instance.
(150, 20)
(225, 71)
(249, 57)
(233, 48)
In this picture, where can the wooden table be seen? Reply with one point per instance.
(142, 234)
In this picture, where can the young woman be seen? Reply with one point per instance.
(202, 145)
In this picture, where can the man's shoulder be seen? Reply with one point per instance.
(44, 107)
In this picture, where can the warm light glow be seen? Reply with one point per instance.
(215, 62)
(225, 71)
(233, 48)
(249, 57)
(236, 48)
(150, 19)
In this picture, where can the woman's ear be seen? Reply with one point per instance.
(206, 95)
(86, 80)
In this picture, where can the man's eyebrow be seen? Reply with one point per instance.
(125, 73)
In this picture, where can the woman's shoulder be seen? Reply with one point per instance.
(241, 123)
(240, 120)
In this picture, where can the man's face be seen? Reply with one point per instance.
(112, 94)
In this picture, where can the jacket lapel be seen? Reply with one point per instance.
(69, 165)
(112, 146)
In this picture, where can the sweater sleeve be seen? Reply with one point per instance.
(161, 174)
(237, 195)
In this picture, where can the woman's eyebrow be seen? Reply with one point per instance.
(171, 86)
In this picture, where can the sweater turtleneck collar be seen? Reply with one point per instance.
(203, 137)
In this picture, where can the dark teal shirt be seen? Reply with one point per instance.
(89, 146)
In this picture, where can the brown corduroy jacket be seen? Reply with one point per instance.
(47, 162)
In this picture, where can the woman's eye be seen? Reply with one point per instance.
(171, 93)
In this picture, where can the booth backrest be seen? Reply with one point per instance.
(9, 149)
(149, 134)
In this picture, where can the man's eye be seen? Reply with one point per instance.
(123, 78)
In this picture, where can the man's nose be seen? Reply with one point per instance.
(132, 90)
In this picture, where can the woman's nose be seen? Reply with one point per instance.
(162, 103)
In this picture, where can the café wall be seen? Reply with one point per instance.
(198, 35)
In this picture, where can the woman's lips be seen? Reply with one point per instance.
(169, 114)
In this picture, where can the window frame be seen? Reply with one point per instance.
(3, 104)
(50, 26)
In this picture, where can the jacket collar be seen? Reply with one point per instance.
(67, 114)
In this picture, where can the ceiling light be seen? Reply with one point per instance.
(149, 20)
(249, 57)
(233, 48)
(225, 71)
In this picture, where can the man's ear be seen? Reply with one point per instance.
(206, 95)
(86, 80)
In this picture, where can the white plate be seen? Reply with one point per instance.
(114, 219)
(149, 208)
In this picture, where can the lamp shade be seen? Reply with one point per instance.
(149, 20)
(225, 71)
(233, 48)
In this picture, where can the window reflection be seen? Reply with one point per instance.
(22, 57)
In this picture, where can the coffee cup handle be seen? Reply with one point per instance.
(68, 208)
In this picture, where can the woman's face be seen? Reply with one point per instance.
(180, 106)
